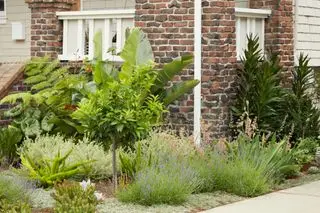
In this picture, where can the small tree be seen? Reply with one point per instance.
(124, 105)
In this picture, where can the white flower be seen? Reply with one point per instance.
(99, 196)
(85, 184)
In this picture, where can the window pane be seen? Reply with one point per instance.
(1, 5)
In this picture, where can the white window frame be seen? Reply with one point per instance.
(3, 14)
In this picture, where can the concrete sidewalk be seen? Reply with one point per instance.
(301, 199)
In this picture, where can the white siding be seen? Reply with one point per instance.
(107, 4)
(307, 36)
(12, 51)
(242, 3)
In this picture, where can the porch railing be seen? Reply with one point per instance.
(250, 21)
(79, 28)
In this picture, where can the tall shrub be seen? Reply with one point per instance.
(259, 92)
(303, 116)
(123, 106)
(262, 99)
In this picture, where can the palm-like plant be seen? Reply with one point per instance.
(259, 91)
(303, 117)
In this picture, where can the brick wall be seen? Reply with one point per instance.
(169, 26)
(219, 64)
(46, 29)
(279, 30)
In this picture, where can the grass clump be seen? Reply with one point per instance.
(169, 182)
(13, 189)
(159, 170)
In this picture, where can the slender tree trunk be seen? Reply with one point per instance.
(114, 164)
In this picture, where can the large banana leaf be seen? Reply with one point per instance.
(137, 51)
(176, 91)
(170, 70)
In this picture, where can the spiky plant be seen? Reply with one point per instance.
(303, 116)
(259, 92)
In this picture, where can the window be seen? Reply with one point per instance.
(2, 11)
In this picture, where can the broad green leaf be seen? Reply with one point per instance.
(46, 125)
(137, 49)
(170, 70)
(178, 90)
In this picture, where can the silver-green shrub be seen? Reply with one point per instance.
(47, 147)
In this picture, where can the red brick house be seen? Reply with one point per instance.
(214, 30)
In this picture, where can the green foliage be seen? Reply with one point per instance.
(305, 150)
(169, 182)
(17, 207)
(245, 167)
(153, 149)
(259, 91)
(131, 161)
(121, 107)
(303, 116)
(273, 158)
(46, 108)
(12, 190)
(159, 167)
(71, 197)
(137, 91)
(10, 138)
(275, 109)
(48, 171)
(47, 147)
(239, 177)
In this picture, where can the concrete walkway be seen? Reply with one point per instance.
(301, 199)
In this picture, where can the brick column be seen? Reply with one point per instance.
(219, 64)
(46, 29)
(169, 26)
(279, 30)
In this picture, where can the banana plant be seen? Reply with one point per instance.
(137, 51)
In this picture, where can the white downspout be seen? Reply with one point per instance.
(197, 71)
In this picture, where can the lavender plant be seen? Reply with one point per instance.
(170, 181)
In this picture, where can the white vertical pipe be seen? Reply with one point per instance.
(197, 71)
